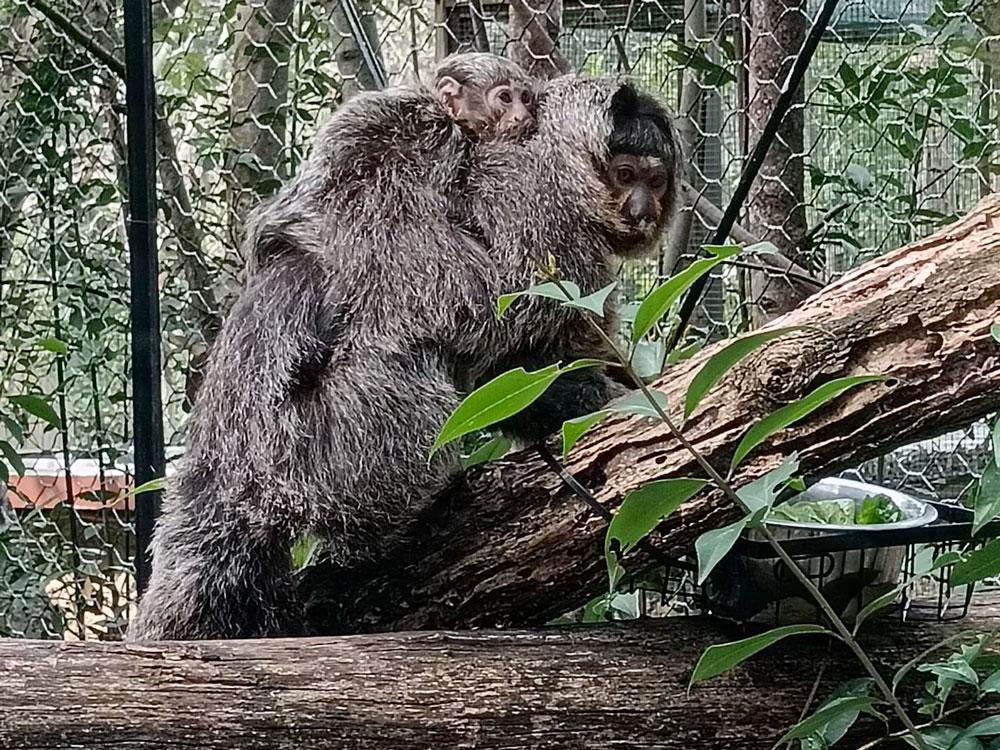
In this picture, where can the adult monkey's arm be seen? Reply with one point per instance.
(512, 547)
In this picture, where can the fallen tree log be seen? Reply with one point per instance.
(584, 687)
(512, 547)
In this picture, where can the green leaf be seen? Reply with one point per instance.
(53, 345)
(996, 441)
(14, 429)
(492, 450)
(638, 404)
(39, 407)
(721, 362)
(153, 485)
(762, 492)
(593, 303)
(504, 301)
(723, 657)
(713, 545)
(853, 705)
(304, 550)
(647, 358)
(980, 564)
(684, 353)
(987, 506)
(992, 683)
(886, 600)
(834, 730)
(13, 457)
(945, 737)
(953, 670)
(838, 511)
(643, 509)
(995, 331)
(659, 301)
(574, 429)
(944, 560)
(502, 397)
(549, 290)
(877, 509)
(988, 727)
(789, 415)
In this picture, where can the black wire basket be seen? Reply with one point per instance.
(851, 568)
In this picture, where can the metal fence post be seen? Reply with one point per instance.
(147, 407)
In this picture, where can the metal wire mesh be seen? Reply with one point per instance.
(896, 132)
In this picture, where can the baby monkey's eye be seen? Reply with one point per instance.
(526, 98)
(505, 96)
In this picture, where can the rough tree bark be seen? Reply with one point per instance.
(511, 547)
(589, 687)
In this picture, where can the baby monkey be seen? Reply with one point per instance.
(489, 96)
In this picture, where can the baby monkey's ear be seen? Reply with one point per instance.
(450, 94)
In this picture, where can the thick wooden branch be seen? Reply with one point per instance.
(513, 547)
(602, 687)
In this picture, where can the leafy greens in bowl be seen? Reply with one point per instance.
(872, 510)
(835, 504)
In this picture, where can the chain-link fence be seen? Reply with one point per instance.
(895, 132)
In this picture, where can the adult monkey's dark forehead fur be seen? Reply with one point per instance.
(641, 126)
(356, 337)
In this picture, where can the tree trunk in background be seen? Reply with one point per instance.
(258, 105)
(22, 48)
(510, 546)
(689, 127)
(585, 687)
(776, 205)
(534, 32)
(989, 107)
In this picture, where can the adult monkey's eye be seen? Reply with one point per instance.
(625, 174)
(505, 96)
(657, 181)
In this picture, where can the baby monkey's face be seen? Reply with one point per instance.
(505, 109)
(512, 105)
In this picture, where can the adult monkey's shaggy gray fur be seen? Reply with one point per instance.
(355, 336)
(388, 167)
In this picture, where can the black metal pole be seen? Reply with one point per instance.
(147, 407)
(368, 54)
(756, 160)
